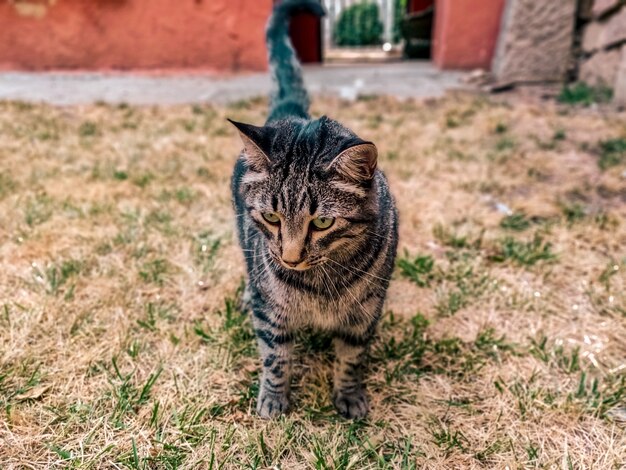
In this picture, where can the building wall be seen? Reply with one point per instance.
(216, 35)
(535, 42)
(466, 32)
(602, 60)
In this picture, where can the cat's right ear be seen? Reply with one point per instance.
(250, 135)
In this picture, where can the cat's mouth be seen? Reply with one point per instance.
(304, 265)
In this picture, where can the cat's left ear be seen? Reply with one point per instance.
(357, 163)
(250, 135)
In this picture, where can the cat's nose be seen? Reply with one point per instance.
(292, 264)
(292, 253)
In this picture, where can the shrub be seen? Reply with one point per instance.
(359, 25)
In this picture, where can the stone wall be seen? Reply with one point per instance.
(535, 42)
(603, 46)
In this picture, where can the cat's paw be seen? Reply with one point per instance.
(352, 405)
(271, 405)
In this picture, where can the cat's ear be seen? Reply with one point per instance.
(357, 163)
(250, 135)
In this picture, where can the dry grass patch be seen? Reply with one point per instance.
(503, 345)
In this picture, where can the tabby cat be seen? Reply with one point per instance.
(318, 229)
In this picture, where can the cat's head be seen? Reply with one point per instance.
(308, 187)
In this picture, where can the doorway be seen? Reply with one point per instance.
(365, 30)
(377, 30)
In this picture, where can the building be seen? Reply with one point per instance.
(215, 35)
(520, 41)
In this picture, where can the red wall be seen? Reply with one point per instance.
(225, 35)
(466, 32)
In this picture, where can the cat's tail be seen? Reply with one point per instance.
(289, 97)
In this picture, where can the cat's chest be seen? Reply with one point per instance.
(317, 311)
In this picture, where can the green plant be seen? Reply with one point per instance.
(7, 185)
(359, 25)
(155, 271)
(419, 270)
(524, 253)
(581, 93)
(612, 153)
(88, 129)
(574, 212)
(517, 222)
(399, 13)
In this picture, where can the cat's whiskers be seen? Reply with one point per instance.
(347, 289)
(360, 270)
(374, 234)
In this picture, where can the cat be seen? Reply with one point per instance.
(318, 228)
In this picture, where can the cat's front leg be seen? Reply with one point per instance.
(349, 396)
(275, 345)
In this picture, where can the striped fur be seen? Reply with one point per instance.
(302, 168)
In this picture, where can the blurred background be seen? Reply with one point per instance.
(502, 344)
(503, 42)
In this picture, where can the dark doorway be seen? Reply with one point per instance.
(417, 28)
(306, 36)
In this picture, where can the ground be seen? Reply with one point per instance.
(503, 342)
(407, 79)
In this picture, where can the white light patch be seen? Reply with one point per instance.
(253, 177)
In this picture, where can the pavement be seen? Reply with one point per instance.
(402, 79)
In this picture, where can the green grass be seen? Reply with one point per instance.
(611, 270)
(612, 153)
(155, 271)
(501, 128)
(582, 94)
(452, 239)
(448, 439)
(567, 360)
(128, 393)
(124, 345)
(418, 269)
(574, 212)
(88, 129)
(120, 175)
(460, 281)
(143, 180)
(524, 253)
(463, 284)
(7, 185)
(413, 353)
(504, 144)
(39, 209)
(206, 248)
(517, 222)
(55, 276)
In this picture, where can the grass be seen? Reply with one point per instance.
(612, 153)
(517, 222)
(524, 253)
(419, 269)
(582, 94)
(122, 345)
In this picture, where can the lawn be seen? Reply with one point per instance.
(504, 341)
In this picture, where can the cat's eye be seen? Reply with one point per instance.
(271, 217)
(322, 223)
